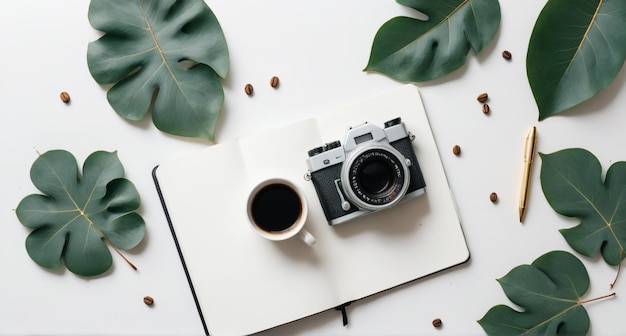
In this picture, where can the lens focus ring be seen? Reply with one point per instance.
(375, 177)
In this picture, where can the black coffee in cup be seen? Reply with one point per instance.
(276, 207)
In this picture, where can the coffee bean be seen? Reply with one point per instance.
(274, 82)
(65, 97)
(486, 109)
(437, 323)
(493, 197)
(248, 89)
(456, 150)
(482, 97)
(507, 55)
(148, 300)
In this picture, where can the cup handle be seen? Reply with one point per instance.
(307, 237)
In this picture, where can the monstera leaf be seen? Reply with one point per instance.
(414, 50)
(549, 291)
(78, 215)
(576, 49)
(571, 180)
(163, 55)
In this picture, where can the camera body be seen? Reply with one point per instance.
(375, 169)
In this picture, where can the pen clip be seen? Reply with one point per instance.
(530, 144)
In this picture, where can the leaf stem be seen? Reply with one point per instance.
(106, 240)
(598, 298)
(619, 270)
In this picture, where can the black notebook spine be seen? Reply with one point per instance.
(180, 254)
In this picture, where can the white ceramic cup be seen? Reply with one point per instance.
(277, 210)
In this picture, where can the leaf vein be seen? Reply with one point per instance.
(57, 232)
(161, 52)
(583, 38)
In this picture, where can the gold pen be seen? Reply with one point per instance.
(529, 154)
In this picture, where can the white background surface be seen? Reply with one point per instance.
(318, 49)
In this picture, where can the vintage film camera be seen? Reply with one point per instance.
(374, 170)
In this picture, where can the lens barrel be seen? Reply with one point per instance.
(375, 177)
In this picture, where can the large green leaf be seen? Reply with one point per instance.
(576, 49)
(549, 291)
(571, 180)
(414, 50)
(172, 50)
(76, 213)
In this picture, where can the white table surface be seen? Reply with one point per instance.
(318, 49)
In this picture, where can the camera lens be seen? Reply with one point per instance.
(375, 177)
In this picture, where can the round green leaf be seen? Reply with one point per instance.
(77, 212)
(576, 49)
(549, 291)
(571, 180)
(414, 50)
(166, 53)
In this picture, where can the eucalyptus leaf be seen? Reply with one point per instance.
(169, 51)
(549, 292)
(576, 49)
(413, 50)
(76, 213)
(571, 180)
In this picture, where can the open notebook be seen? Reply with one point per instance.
(243, 283)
